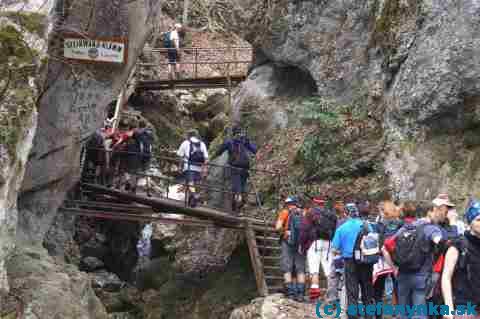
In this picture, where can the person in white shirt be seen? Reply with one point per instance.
(195, 159)
(173, 54)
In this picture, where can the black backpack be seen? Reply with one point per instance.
(196, 156)
(412, 248)
(324, 223)
(239, 157)
(469, 264)
(145, 140)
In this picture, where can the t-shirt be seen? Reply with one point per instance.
(174, 37)
(184, 152)
(346, 236)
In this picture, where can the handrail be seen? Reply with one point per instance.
(198, 49)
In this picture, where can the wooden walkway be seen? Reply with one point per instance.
(200, 68)
(262, 239)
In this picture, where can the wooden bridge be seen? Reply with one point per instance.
(98, 201)
(200, 68)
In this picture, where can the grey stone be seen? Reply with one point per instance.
(91, 264)
(106, 281)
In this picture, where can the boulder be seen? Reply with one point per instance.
(106, 281)
(91, 264)
(49, 289)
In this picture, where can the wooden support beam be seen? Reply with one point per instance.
(168, 205)
(255, 259)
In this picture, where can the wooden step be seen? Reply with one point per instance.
(274, 277)
(271, 268)
(271, 257)
(267, 238)
(269, 247)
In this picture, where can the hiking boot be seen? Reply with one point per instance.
(300, 292)
(291, 291)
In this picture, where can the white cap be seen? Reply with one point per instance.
(178, 25)
(442, 199)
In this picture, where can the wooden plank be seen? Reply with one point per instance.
(269, 247)
(259, 237)
(255, 259)
(169, 205)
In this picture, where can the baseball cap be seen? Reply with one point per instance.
(291, 200)
(178, 25)
(442, 199)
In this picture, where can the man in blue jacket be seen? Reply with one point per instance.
(238, 148)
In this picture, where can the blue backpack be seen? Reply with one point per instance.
(294, 221)
(367, 245)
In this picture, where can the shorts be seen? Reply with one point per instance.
(291, 260)
(192, 176)
(320, 254)
(172, 55)
(239, 180)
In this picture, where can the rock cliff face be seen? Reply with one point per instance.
(414, 61)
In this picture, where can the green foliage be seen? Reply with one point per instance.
(13, 46)
(33, 22)
(321, 112)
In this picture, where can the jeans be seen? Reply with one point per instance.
(412, 290)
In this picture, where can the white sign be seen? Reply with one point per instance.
(94, 50)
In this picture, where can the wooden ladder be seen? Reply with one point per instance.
(264, 247)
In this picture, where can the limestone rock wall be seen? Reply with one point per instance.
(415, 61)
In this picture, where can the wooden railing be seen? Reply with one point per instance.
(196, 63)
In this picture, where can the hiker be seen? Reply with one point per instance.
(335, 289)
(316, 233)
(238, 158)
(120, 156)
(95, 158)
(139, 149)
(449, 227)
(358, 243)
(194, 153)
(461, 274)
(409, 212)
(171, 41)
(383, 273)
(288, 224)
(411, 253)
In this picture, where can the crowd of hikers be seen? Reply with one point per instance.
(407, 254)
(195, 157)
(115, 158)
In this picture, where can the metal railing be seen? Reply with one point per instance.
(165, 174)
(195, 63)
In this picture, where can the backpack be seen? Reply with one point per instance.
(145, 143)
(167, 41)
(324, 223)
(196, 156)
(239, 157)
(367, 246)
(294, 221)
(469, 264)
(411, 248)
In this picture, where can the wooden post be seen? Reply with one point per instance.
(195, 65)
(255, 259)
